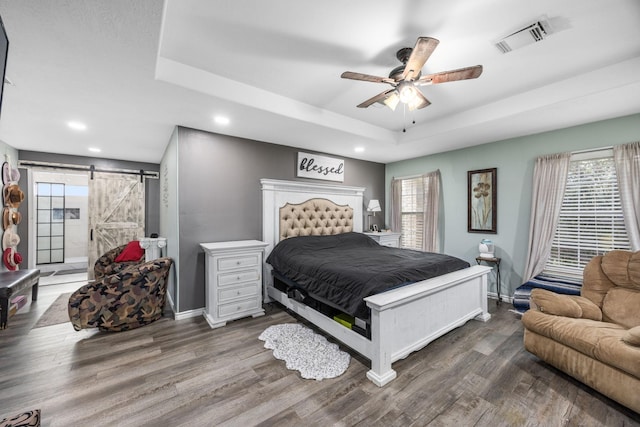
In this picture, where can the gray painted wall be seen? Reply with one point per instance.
(514, 159)
(219, 196)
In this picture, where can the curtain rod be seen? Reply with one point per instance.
(91, 169)
(590, 150)
(408, 176)
(418, 175)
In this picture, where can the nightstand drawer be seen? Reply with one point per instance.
(238, 307)
(391, 242)
(238, 261)
(229, 294)
(227, 279)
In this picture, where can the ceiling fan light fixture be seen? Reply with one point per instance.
(406, 92)
(392, 101)
(414, 104)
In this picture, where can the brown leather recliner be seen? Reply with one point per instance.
(594, 337)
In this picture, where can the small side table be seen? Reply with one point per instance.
(495, 261)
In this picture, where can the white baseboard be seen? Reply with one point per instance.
(183, 314)
(504, 298)
(188, 314)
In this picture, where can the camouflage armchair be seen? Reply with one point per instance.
(106, 265)
(126, 300)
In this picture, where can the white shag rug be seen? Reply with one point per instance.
(305, 351)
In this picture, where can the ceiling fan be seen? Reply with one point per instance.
(406, 77)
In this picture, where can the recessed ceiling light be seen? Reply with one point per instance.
(94, 150)
(359, 149)
(77, 125)
(221, 120)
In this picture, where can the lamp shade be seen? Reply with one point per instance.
(374, 206)
(392, 100)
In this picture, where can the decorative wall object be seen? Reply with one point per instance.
(164, 186)
(12, 198)
(319, 167)
(482, 201)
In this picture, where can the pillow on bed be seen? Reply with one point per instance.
(131, 252)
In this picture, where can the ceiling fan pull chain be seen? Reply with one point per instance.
(404, 117)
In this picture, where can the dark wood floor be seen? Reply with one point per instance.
(182, 373)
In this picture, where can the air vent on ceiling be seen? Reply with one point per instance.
(530, 34)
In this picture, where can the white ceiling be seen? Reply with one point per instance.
(132, 70)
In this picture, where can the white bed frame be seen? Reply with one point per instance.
(403, 320)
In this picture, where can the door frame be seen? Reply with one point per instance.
(30, 165)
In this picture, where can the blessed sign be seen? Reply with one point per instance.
(320, 167)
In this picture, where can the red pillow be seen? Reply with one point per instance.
(131, 252)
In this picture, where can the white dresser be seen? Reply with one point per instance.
(233, 287)
(385, 238)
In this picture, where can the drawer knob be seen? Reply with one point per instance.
(238, 292)
(237, 262)
(238, 277)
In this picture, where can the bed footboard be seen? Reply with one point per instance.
(406, 319)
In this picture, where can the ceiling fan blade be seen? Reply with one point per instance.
(421, 52)
(451, 76)
(366, 77)
(377, 98)
(419, 101)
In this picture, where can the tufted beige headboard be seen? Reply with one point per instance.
(314, 217)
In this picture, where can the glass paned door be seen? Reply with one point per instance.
(49, 223)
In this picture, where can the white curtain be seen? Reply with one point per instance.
(430, 209)
(627, 161)
(549, 182)
(396, 205)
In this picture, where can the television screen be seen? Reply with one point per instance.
(4, 50)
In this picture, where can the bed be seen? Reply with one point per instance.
(401, 320)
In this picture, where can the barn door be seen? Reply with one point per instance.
(116, 213)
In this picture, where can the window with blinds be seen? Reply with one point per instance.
(412, 213)
(591, 221)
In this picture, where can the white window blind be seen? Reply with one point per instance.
(591, 221)
(412, 213)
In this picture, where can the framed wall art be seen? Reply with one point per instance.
(482, 201)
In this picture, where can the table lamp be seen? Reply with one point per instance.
(373, 206)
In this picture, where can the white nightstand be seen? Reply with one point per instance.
(385, 238)
(233, 287)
